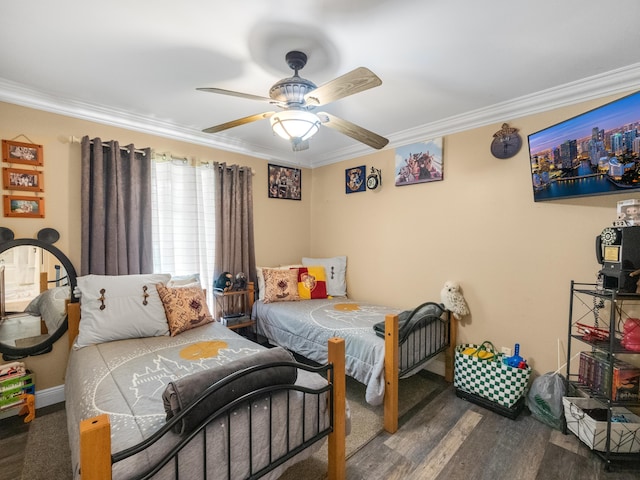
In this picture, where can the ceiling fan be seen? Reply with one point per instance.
(297, 97)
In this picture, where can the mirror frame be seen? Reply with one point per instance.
(12, 353)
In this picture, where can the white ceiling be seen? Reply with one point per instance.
(446, 65)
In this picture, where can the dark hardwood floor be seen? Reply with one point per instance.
(441, 438)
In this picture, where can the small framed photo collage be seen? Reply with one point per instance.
(22, 177)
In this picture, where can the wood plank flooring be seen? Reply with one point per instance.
(442, 438)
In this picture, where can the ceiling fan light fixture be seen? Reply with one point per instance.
(295, 124)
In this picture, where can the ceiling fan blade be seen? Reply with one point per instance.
(238, 122)
(355, 81)
(352, 130)
(235, 94)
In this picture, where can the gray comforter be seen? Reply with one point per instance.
(305, 327)
(126, 379)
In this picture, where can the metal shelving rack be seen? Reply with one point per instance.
(611, 347)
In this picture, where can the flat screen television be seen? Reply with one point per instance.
(595, 153)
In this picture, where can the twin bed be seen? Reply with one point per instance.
(263, 413)
(300, 306)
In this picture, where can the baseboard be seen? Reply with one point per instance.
(44, 398)
(49, 396)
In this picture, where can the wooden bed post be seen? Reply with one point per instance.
(450, 353)
(337, 439)
(95, 448)
(391, 375)
(73, 321)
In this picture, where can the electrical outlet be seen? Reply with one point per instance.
(506, 351)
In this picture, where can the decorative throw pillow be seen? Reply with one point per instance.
(336, 271)
(260, 275)
(280, 285)
(312, 283)
(185, 307)
(117, 307)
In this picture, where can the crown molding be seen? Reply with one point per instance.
(613, 82)
(622, 80)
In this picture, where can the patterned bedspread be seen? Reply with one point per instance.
(125, 379)
(305, 326)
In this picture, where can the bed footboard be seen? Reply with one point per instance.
(408, 351)
(96, 459)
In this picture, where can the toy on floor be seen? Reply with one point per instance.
(29, 407)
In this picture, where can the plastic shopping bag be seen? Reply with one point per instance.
(545, 399)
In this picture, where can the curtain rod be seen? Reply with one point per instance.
(73, 139)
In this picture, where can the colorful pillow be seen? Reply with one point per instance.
(312, 283)
(280, 285)
(117, 307)
(185, 307)
(336, 271)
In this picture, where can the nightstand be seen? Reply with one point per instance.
(233, 308)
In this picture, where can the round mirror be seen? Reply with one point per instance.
(36, 281)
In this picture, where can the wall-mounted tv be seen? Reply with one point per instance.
(595, 153)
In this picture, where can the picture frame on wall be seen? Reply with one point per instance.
(24, 207)
(419, 163)
(355, 179)
(22, 153)
(285, 182)
(23, 180)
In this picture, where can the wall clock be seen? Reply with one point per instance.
(374, 180)
(506, 142)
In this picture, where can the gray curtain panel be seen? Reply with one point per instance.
(116, 209)
(234, 247)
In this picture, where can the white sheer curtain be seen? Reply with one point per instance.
(183, 219)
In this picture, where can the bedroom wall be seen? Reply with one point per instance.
(514, 258)
(62, 199)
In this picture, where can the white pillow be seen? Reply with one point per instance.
(125, 314)
(192, 280)
(260, 275)
(336, 271)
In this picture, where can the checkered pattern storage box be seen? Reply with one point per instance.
(490, 379)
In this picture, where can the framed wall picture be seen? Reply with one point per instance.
(419, 162)
(26, 207)
(24, 153)
(27, 180)
(285, 182)
(355, 179)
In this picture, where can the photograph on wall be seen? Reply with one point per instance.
(285, 182)
(419, 162)
(27, 180)
(355, 179)
(27, 207)
(23, 153)
(594, 153)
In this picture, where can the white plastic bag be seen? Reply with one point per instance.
(545, 399)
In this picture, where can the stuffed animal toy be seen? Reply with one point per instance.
(240, 283)
(452, 299)
(224, 282)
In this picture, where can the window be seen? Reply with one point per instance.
(183, 219)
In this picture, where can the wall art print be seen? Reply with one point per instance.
(27, 180)
(23, 153)
(25, 207)
(355, 179)
(419, 162)
(285, 182)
